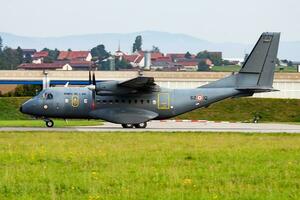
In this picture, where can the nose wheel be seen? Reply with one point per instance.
(49, 123)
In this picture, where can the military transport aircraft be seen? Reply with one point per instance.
(134, 102)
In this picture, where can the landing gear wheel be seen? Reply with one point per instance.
(49, 123)
(127, 125)
(141, 125)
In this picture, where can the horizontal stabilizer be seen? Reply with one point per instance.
(258, 89)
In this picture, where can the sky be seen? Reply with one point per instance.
(238, 21)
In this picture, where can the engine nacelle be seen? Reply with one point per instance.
(111, 88)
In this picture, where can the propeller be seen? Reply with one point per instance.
(92, 86)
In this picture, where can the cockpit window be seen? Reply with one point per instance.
(48, 96)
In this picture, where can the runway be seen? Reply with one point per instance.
(174, 126)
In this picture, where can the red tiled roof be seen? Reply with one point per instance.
(41, 66)
(71, 55)
(176, 55)
(40, 54)
(160, 59)
(79, 63)
(156, 55)
(133, 58)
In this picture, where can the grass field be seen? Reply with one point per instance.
(244, 110)
(154, 166)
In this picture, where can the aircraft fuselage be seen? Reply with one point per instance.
(71, 103)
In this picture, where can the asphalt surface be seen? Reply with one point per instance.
(173, 126)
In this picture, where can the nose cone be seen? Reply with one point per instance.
(27, 107)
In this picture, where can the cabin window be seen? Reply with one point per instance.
(104, 101)
(148, 101)
(117, 100)
(66, 100)
(142, 101)
(129, 101)
(154, 102)
(123, 101)
(110, 101)
(135, 101)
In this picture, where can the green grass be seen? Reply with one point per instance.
(229, 68)
(56, 165)
(10, 108)
(236, 68)
(244, 109)
(41, 123)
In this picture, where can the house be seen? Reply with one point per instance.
(76, 64)
(165, 66)
(38, 57)
(45, 66)
(176, 56)
(28, 53)
(162, 59)
(75, 55)
(188, 65)
(136, 60)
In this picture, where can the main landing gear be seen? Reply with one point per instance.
(140, 125)
(49, 123)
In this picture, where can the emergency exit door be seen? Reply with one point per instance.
(163, 101)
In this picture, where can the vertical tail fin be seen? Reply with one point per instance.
(258, 69)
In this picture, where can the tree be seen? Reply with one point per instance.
(122, 64)
(202, 55)
(137, 45)
(19, 55)
(202, 66)
(99, 52)
(11, 58)
(52, 55)
(216, 60)
(1, 45)
(188, 55)
(155, 49)
(290, 63)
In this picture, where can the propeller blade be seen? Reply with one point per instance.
(90, 77)
(94, 79)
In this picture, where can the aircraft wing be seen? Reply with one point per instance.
(125, 115)
(139, 83)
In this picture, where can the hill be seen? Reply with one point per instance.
(167, 42)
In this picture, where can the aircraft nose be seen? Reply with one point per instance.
(27, 107)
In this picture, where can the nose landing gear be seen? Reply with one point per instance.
(49, 123)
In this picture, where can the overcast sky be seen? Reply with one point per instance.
(213, 20)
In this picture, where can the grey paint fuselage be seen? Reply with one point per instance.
(175, 102)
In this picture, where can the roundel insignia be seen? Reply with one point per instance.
(200, 98)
